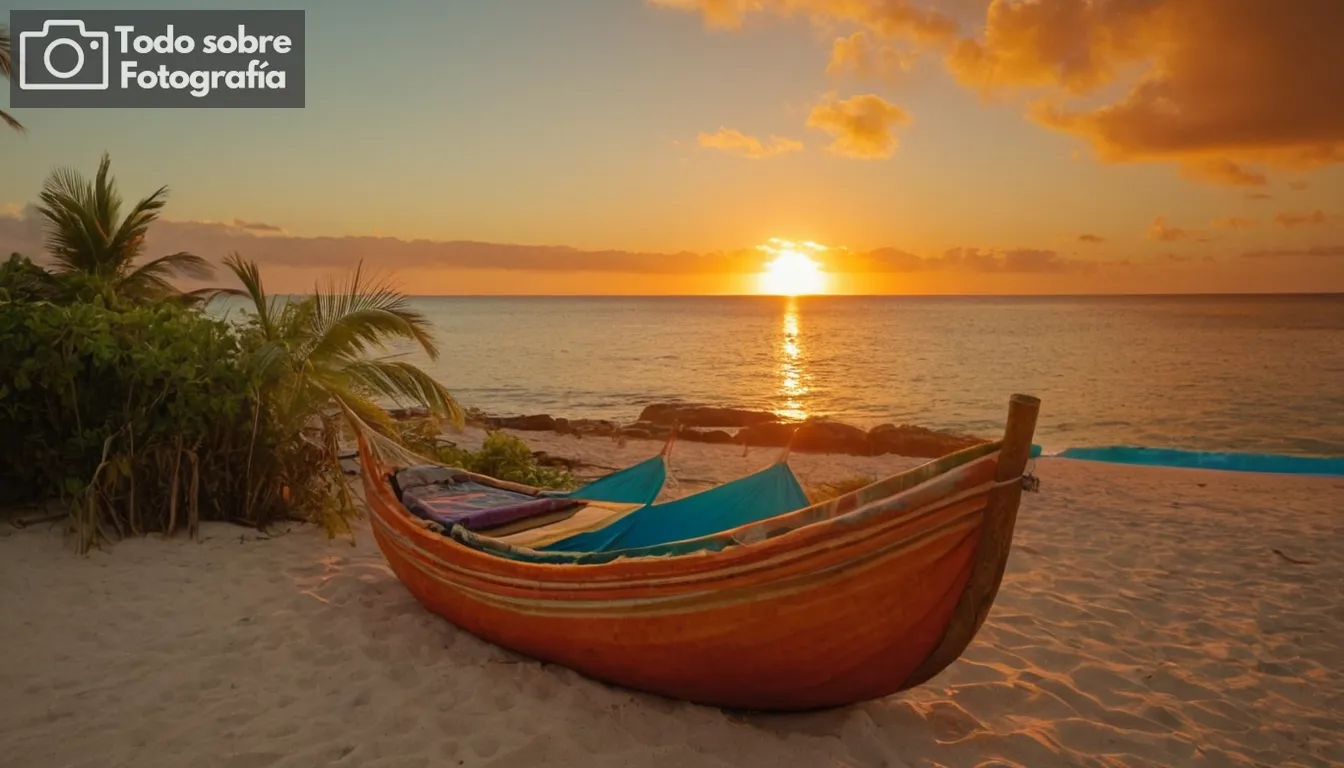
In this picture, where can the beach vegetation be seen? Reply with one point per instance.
(139, 419)
(123, 398)
(501, 456)
(97, 251)
(310, 358)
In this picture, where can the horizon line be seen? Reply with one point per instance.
(866, 295)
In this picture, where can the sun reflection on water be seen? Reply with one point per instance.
(793, 388)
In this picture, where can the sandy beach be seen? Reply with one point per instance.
(1149, 617)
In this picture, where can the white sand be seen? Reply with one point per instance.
(1145, 621)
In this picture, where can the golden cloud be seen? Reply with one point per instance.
(889, 18)
(1164, 232)
(1224, 89)
(1295, 220)
(862, 126)
(1234, 223)
(1315, 252)
(736, 142)
(1220, 170)
(858, 54)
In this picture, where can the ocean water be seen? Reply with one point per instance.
(1208, 373)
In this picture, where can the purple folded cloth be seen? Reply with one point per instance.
(476, 506)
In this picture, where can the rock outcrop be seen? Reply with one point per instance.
(668, 414)
(909, 440)
(708, 424)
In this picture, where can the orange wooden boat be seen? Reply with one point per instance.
(848, 600)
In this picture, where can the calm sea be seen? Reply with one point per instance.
(1239, 373)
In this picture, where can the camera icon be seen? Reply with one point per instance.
(64, 56)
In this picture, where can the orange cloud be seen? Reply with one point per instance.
(1220, 170)
(736, 142)
(1075, 45)
(1316, 252)
(1296, 220)
(862, 126)
(859, 55)
(1163, 232)
(889, 18)
(1227, 82)
(1234, 223)
(1224, 89)
(1091, 239)
(1023, 261)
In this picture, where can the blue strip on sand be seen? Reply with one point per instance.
(1232, 462)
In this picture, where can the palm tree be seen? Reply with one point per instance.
(312, 364)
(87, 238)
(4, 72)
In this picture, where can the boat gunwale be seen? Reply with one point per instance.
(623, 564)
(774, 559)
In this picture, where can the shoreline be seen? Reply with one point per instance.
(717, 425)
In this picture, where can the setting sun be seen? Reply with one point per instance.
(792, 273)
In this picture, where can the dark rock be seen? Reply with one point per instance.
(825, 436)
(599, 427)
(636, 433)
(646, 429)
(535, 423)
(919, 442)
(716, 436)
(769, 434)
(405, 414)
(702, 415)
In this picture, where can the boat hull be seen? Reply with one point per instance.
(848, 600)
(818, 623)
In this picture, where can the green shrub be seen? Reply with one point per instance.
(140, 419)
(502, 456)
(506, 457)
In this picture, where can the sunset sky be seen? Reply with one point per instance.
(625, 146)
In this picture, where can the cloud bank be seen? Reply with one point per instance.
(1226, 90)
(269, 246)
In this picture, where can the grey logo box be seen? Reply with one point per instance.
(157, 59)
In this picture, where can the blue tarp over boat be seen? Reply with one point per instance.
(639, 484)
(765, 494)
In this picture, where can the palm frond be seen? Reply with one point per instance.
(86, 233)
(73, 238)
(403, 382)
(203, 296)
(128, 238)
(269, 360)
(182, 263)
(353, 334)
(5, 71)
(361, 293)
(369, 412)
(107, 206)
(249, 275)
(9, 120)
